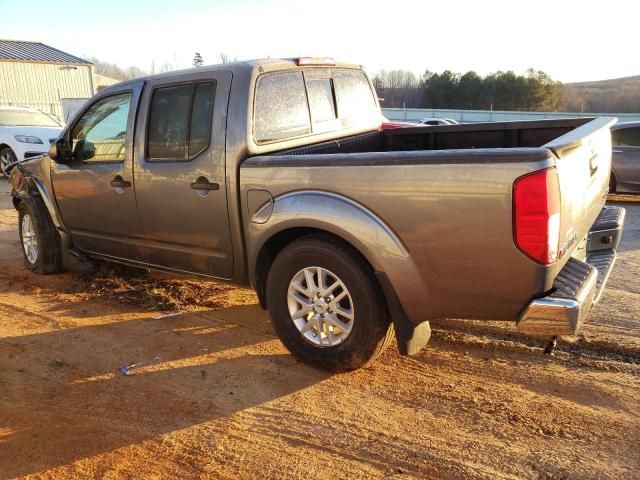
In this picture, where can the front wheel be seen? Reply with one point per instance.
(39, 238)
(326, 306)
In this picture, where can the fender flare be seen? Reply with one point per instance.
(28, 185)
(333, 213)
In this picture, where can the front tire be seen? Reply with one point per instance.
(326, 305)
(38, 236)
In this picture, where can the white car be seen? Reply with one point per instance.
(438, 121)
(24, 133)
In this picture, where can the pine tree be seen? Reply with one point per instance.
(197, 60)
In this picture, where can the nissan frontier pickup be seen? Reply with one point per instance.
(276, 174)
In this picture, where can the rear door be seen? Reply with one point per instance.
(94, 189)
(626, 158)
(180, 174)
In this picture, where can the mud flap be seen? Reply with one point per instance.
(71, 260)
(411, 337)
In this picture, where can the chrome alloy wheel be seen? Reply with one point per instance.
(29, 239)
(320, 306)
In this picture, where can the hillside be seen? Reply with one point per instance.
(613, 83)
(617, 95)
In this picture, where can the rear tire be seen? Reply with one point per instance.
(328, 340)
(612, 183)
(39, 238)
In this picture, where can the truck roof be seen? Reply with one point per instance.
(245, 67)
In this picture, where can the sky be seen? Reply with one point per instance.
(570, 40)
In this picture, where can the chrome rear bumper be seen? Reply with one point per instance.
(579, 285)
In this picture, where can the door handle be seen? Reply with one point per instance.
(119, 182)
(618, 151)
(203, 184)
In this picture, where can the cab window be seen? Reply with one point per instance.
(281, 110)
(99, 135)
(311, 101)
(356, 102)
(180, 120)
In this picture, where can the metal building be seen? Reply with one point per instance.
(36, 75)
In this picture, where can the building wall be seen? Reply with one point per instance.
(101, 81)
(43, 85)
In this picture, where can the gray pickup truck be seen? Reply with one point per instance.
(276, 174)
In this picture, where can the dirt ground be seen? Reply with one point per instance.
(218, 396)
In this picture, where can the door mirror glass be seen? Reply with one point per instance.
(84, 150)
(59, 151)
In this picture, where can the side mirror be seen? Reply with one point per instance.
(59, 151)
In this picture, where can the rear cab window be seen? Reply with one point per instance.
(299, 103)
(180, 117)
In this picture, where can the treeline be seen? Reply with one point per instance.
(117, 72)
(114, 71)
(498, 91)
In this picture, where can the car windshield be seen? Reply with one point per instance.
(15, 118)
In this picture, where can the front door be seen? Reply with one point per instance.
(94, 188)
(180, 173)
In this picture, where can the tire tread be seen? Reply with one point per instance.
(49, 247)
(383, 334)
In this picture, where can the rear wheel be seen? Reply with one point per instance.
(612, 183)
(40, 240)
(7, 157)
(326, 306)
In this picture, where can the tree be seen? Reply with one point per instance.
(197, 60)
(166, 67)
(500, 90)
(114, 71)
(441, 89)
(471, 91)
(398, 88)
(224, 58)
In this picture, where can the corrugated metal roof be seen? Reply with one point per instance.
(36, 52)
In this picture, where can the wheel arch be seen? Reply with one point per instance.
(278, 242)
(307, 213)
(301, 213)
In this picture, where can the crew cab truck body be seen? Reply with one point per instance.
(276, 174)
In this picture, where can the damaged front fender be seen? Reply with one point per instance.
(33, 178)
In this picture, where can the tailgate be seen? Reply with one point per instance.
(584, 166)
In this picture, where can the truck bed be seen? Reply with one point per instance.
(522, 134)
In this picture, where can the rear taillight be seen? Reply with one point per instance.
(536, 215)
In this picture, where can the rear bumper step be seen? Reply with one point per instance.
(579, 285)
(606, 231)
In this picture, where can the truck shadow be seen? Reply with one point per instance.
(63, 399)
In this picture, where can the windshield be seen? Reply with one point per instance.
(15, 118)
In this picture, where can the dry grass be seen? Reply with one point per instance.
(154, 291)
